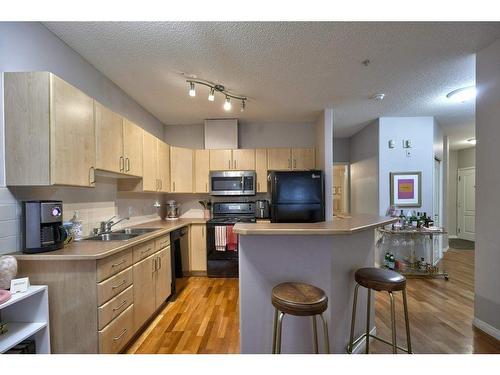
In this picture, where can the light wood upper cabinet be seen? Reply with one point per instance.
(109, 139)
(279, 159)
(303, 158)
(163, 167)
(198, 248)
(149, 162)
(261, 169)
(132, 148)
(49, 131)
(201, 171)
(221, 160)
(163, 276)
(181, 170)
(244, 159)
(144, 290)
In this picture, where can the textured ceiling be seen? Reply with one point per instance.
(290, 70)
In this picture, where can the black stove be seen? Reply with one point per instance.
(224, 263)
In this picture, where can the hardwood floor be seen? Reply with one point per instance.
(205, 318)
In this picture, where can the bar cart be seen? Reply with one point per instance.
(411, 251)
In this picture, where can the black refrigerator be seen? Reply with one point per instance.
(297, 197)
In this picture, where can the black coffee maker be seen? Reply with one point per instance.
(42, 228)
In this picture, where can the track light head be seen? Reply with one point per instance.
(243, 105)
(211, 95)
(192, 91)
(227, 104)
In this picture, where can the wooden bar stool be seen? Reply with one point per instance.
(298, 299)
(379, 280)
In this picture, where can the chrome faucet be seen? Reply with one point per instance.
(105, 226)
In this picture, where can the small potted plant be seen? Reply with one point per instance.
(207, 208)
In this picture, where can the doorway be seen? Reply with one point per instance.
(466, 204)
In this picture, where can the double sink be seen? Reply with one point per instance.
(121, 235)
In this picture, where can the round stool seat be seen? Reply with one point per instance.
(380, 279)
(299, 299)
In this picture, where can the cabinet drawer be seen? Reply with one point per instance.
(115, 306)
(144, 250)
(114, 285)
(116, 335)
(162, 242)
(113, 264)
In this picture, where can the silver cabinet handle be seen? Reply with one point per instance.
(119, 285)
(294, 163)
(119, 263)
(145, 251)
(206, 186)
(203, 231)
(120, 305)
(161, 184)
(289, 164)
(258, 186)
(173, 183)
(234, 164)
(154, 265)
(127, 160)
(229, 164)
(122, 163)
(120, 335)
(91, 176)
(159, 262)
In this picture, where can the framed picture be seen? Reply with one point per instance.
(406, 189)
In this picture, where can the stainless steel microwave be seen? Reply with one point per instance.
(232, 183)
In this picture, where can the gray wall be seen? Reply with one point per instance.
(467, 158)
(341, 150)
(364, 150)
(452, 193)
(487, 254)
(29, 46)
(250, 135)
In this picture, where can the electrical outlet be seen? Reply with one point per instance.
(408, 153)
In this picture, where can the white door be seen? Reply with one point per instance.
(466, 192)
(437, 245)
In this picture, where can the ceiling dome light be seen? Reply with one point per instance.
(378, 96)
(463, 94)
(227, 104)
(472, 141)
(211, 95)
(242, 109)
(192, 91)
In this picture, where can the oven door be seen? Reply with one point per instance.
(232, 183)
(220, 263)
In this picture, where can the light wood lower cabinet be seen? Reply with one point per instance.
(198, 248)
(163, 276)
(144, 290)
(117, 334)
(114, 307)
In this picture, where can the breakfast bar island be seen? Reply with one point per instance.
(324, 254)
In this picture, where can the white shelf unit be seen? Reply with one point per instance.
(27, 316)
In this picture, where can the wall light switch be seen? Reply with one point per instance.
(407, 143)
(392, 144)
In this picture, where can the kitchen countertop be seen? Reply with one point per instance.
(92, 250)
(340, 225)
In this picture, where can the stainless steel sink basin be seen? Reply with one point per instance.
(113, 237)
(136, 230)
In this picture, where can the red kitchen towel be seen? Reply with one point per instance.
(232, 239)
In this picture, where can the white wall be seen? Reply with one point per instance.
(487, 250)
(420, 130)
(364, 158)
(467, 157)
(250, 135)
(29, 46)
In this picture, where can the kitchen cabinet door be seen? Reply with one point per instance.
(108, 139)
(144, 290)
(163, 276)
(132, 148)
(72, 136)
(149, 162)
(303, 158)
(261, 170)
(198, 248)
(181, 170)
(163, 167)
(221, 160)
(201, 171)
(244, 159)
(279, 159)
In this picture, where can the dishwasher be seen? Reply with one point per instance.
(180, 260)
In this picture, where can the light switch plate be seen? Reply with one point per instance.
(392, 144)
(407, 143)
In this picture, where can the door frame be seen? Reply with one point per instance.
(347, 197)
(458, 198)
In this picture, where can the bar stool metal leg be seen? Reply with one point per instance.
(353, 318)
(315, 334)
(278, 334)
(325, 334)
(393, 324)
(407, 323)
(275, 327)
(368, 310)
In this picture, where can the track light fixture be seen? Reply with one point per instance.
(217, 88)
